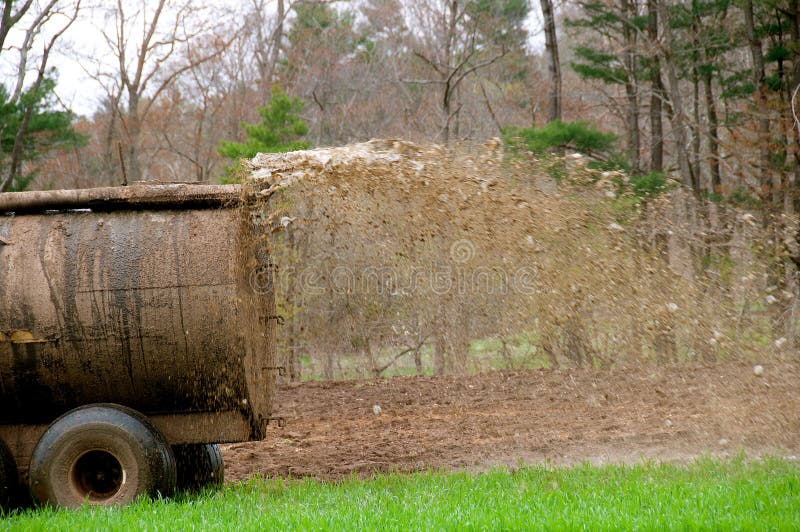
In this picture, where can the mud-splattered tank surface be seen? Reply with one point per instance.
(134, 307)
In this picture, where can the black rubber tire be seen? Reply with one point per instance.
(101, 454)
(199, 466)
(9, 478)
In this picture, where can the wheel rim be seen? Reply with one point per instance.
(97, 476)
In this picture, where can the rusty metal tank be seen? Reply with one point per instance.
(156, 297)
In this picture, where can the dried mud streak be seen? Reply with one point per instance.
(562, 416)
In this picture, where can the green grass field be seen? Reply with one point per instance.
(729, 495)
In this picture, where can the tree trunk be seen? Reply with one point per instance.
(678, 116)
(696, 175)
(634, 142)
(447, 87)
(294, 369)
(446, 95)
(111, 148)
(759, 79)
(328, 368)
(133, 169)
(631, 85)
(553, 63)
(794, 30)
(656, 96)
(439, 354)
(780, 177)
(457, 113)
(277, 37)
(370, 356)
(713, 135)
(267, 62)
(458, 347)
(792, 197)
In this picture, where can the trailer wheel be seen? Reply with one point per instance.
(102, 454)
(199, 466)
(9, 477)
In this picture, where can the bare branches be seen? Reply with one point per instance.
(435, 66)
(378, 371)
(32, 31)
(10, 19)
(424, 81)
(47, 13)
(497, 123)
(268, 42)
(475, 67)
(452, 41)
(173, 39)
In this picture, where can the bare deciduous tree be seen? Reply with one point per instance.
(453, 48)
(268, 33)
(153, 44)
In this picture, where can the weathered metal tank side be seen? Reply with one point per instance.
(258, 317)
(138, 307)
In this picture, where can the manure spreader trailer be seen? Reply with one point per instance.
(137, 332)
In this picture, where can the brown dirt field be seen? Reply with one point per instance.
(508, 418)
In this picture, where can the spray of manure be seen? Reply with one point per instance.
(389, 252)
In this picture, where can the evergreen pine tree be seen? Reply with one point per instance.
(281, 129)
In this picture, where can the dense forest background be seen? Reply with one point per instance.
(702, 89)
(695, 97)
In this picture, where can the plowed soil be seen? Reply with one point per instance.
(509, 418)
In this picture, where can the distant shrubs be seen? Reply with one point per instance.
(581, 136)
(648, 185)
(549, 143)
